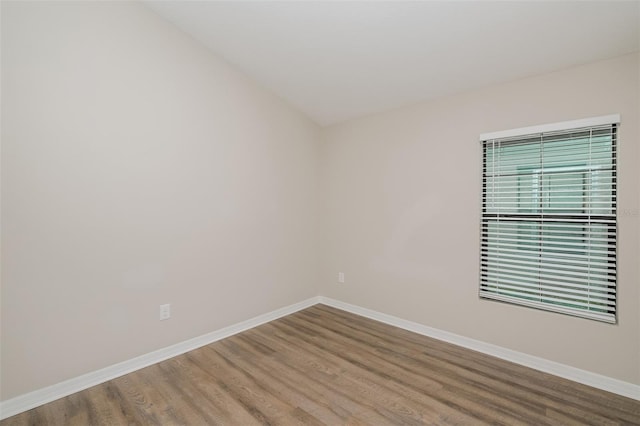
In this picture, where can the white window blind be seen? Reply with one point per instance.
(548, 229)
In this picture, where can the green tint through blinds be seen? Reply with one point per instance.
(549, 221)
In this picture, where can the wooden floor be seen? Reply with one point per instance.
(326, 366)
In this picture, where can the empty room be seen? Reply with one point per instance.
(320, 213)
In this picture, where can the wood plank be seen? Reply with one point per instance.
(508, 377)
(324, 366)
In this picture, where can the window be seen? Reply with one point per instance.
(548, 228)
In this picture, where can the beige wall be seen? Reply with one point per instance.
(402, 207)
(138, 169)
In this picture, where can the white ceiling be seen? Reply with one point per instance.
(340, 60)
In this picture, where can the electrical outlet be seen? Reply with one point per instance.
(165, 311)
(341, 277)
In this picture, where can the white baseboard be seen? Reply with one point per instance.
(36, 398)
(599, 381)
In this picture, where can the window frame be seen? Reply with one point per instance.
(522, 134)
